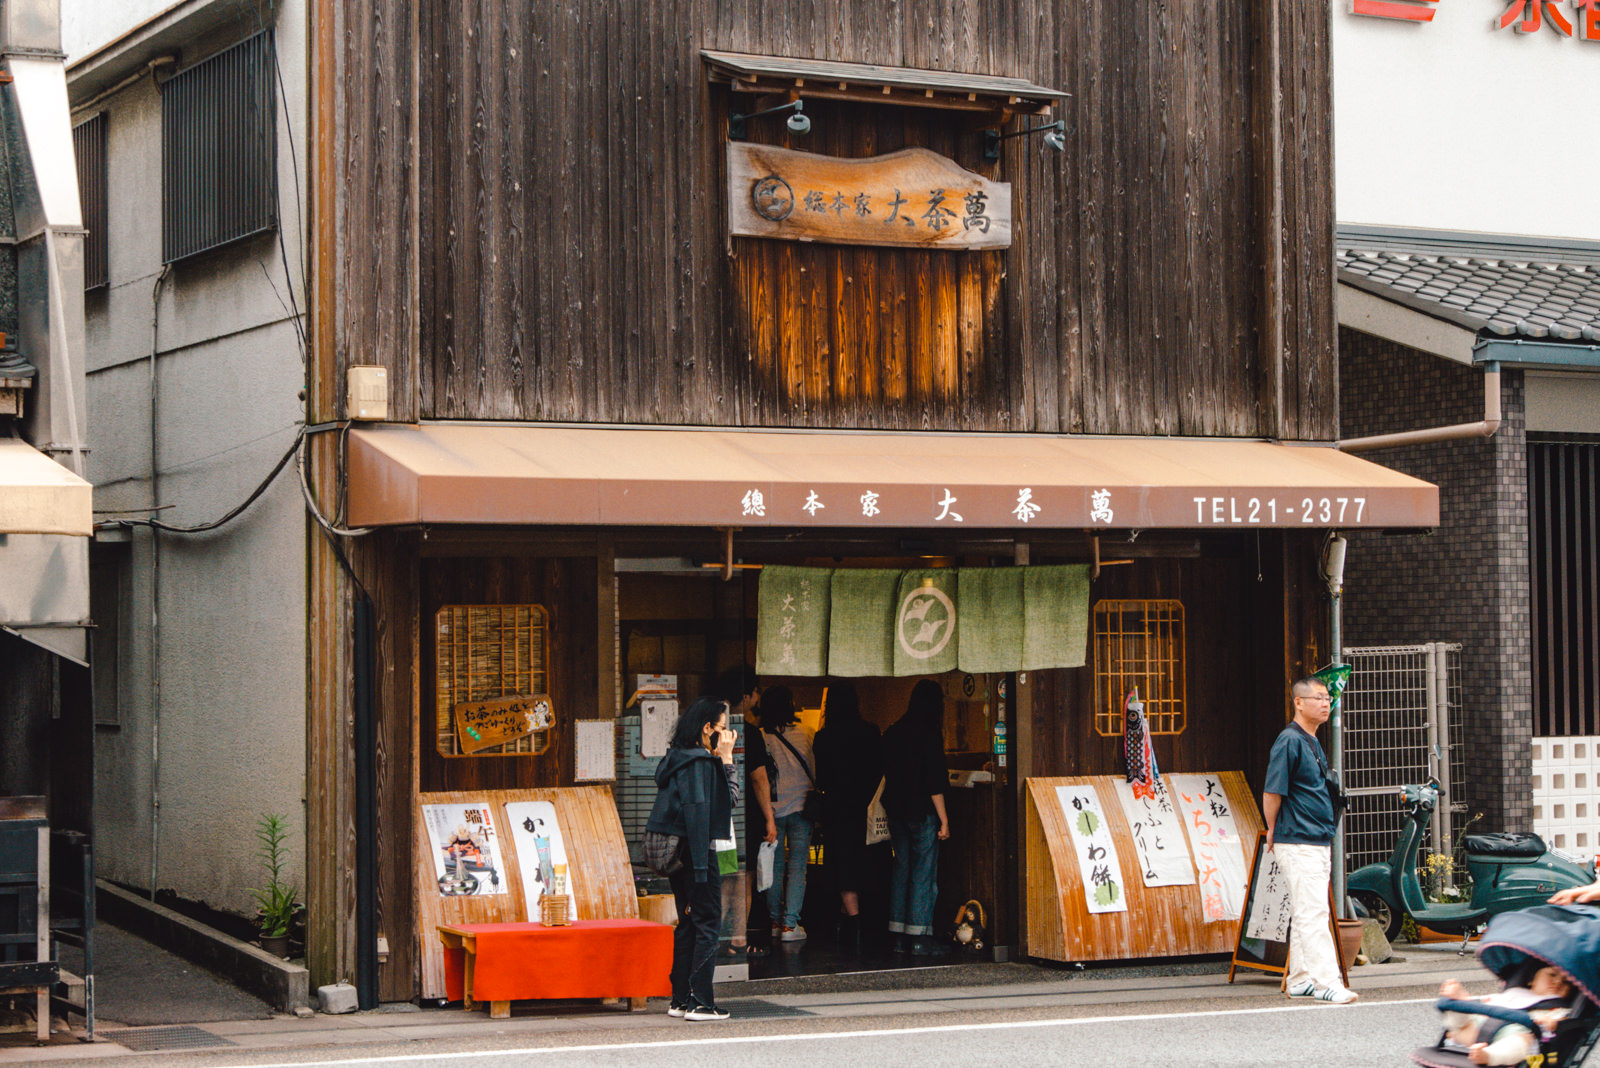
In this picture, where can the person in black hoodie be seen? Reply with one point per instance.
(914, 782)
(698, 789)
(849, 753)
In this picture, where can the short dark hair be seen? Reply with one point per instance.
(1302, 687)
(705, 711)
(734, 684)
(777, 708)
(843, 702)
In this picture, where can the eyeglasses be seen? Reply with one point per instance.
(1317, 697)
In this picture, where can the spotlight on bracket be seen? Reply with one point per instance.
(1055, 136)
(799, 122)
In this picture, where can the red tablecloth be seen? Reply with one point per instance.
(587, 959)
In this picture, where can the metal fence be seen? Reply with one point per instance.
(1402, 723)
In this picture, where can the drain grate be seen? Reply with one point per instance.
(757, 1009)
(145, 1039)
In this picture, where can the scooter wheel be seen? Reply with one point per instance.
(1389, 919)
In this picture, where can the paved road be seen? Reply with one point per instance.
(1200, 1034)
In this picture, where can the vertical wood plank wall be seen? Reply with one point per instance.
(564, 199)
(1160, 921)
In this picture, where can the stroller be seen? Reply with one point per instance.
(1565, 937)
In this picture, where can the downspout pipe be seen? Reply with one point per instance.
(1484, 429)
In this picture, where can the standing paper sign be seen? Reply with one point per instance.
(1161, 846)
(1095, 850)
(464, 847)
(1267, 918)
(541, 854)
(1208, 818)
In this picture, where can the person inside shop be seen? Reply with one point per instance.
(849, 767)
(914, 780)
(1298, 810)
(738, 689)
(698, 788)
(789, 746)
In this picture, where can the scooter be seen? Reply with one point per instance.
(1509, 872)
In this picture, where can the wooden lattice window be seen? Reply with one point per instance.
(490, 653)
(1139, 643)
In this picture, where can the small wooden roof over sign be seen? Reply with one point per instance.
(906, 86)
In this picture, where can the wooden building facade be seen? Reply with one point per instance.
(521, 214)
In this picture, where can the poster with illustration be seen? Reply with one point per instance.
(540, 852)
(1207, 816)
(1095, 850)
(465, 848)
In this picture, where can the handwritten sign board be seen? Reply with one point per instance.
(913, 197)
(483, 725)
(1263, 942)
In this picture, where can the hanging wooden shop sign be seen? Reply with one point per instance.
(483, 725)
(913, 197)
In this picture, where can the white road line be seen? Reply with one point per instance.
(813, 1036)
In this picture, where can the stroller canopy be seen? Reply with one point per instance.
(1565, 936)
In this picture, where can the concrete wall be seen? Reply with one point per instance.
(88, 24)
(1450, 124)
(212, 723)
(1467, 582)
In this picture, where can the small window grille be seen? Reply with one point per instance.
(219, 168)
(1139, 643)
(89, 146)
(487, 652)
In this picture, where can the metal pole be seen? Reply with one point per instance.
(1334, 573)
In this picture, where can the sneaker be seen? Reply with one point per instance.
(1339, 995)
(676, 1010)
(706, 1012)
(1304, 989)
(794, 934)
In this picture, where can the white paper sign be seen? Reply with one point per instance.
(541, 854)
(1207, 816)
(1269, 905)
(465, 850)
(1158, 841)
(594, 750)
(657, 720)
(1096, 852)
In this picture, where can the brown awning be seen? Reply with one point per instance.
(683, 477)
(907, 86)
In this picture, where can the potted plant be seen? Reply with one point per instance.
(276, 901)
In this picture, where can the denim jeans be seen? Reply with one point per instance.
(694, 942)
(788, 889)
(913, 882)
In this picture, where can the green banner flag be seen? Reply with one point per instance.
(1055, 617)
(926, 637)
(991, 619)
(861, 632)
(792, 621)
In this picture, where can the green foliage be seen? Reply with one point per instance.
(1408, 929)
(277, 901)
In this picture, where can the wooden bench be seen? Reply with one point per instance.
(504, 962)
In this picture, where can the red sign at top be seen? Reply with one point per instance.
(1524, 16)
(1409, 10)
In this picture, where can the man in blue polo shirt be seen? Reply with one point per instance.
(1300, 828)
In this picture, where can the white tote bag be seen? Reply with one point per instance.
(766, 857)
(877, 818)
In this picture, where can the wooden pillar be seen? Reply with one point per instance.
(608, 681)
(1266, 152)
(1020, 744)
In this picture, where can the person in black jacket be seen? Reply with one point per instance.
(698, 790)
(914, 782)
(849, 753)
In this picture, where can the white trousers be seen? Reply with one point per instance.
(1312, 954)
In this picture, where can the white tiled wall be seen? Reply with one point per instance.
(1565, 794)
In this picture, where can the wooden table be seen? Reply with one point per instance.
(504, 962)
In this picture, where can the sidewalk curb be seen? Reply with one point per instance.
(280, 984)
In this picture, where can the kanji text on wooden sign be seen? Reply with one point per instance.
(912, 197)
(484, 724)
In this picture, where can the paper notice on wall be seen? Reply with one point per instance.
(1207, 817)
(465, 849)
(594, 750)
(1095, 850)
(1269, 903)
(658, 718)
(1159, 843)
(541, 854)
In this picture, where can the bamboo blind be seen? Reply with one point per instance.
(1139, 643)
(485, 651)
